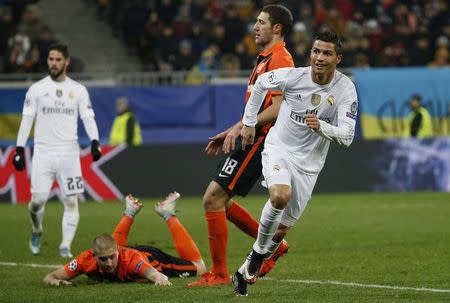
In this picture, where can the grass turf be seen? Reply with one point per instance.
(397, 239)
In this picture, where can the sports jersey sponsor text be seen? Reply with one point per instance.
(58, 111)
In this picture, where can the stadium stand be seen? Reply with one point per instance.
(400, 33)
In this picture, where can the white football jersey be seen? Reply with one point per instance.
(335, 104)
(56, 107)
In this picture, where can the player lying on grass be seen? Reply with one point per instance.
(110, 259)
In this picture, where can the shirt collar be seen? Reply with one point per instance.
(278, 45)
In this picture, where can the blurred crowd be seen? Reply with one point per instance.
(208, 35)
(24, 37)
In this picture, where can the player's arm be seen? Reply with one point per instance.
(274, 80)
(87, 116)
(58, 277)
(269, 115)
(344, 132)
(28, 114)
(155, 276)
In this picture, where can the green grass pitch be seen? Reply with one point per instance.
(398, 240)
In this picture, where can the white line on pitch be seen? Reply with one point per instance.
(351, 284)
(354, 284)
(29, 265)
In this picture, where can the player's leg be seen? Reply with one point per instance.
(42, 177)
(236, 174)
(278, 177)
(71, 184)
(70, 219)
(214, 201)
(183, 242)
(248, 172)
(132, 208)
(167, 264)
(241, 218)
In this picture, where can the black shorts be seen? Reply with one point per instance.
(240, 169)
(169, 265)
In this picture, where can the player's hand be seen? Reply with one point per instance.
(215, 144)
(64, 283)
(230, 140)
(96, 151)
(312, 122)
(247, 136)
(19, 158)
(162, 279)
(58, 283)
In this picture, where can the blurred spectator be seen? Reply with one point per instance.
(204, 69)
(125, 128)
(21, 57)
(6, 28)
(229, 66)
(44, 40)
(31, 21)
(245, 61)
(441, 58)
(186, 58)
(418, 123)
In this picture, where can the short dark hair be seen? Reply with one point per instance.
(417, 97)
(62, 48)
(279, 14)
(332, 37)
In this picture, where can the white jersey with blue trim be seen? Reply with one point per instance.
(56, 107)
(335, 104)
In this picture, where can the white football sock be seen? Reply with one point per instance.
(268, 224)
(36, 208)
(70, 220)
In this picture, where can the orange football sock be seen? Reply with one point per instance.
(240, 217)
(184, 244)
(218, 238)
(120, 234)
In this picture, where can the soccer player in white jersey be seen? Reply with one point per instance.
(55, 102)
(319, 106)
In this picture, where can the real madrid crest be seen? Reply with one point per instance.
(315, 99)
(71, 95)
(59, 93)
(330, 100)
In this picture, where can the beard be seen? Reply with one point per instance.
(54, 74)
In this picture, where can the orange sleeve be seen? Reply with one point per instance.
(138, 264)
(279, 60)
(79, 265)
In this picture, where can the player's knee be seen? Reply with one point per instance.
(37, 202)
(279, 197)
(70, 203)
(214, 198)
(201, 267)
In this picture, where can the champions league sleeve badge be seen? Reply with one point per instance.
(73, 265)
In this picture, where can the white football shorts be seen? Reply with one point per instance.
(278, 169)
(65, 168)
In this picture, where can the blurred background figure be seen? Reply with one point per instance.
(418, 122)
(125, 128)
